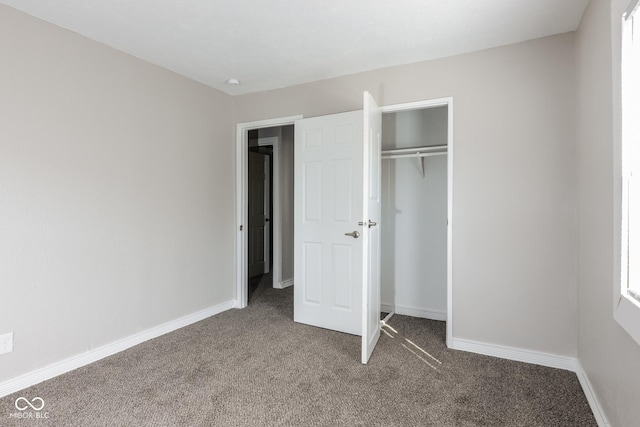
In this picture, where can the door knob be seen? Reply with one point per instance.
(353, 234)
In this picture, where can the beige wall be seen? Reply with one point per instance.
(514, 263)
(608, 355)
(116, 211)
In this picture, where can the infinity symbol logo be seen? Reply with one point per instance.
(28, 404)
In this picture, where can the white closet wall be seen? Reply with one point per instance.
(414, 216)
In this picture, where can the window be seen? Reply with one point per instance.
(631, 152)
(628, 297)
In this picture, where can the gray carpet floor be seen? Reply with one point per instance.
(256, 367)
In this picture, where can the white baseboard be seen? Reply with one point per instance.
(594, 403)
(286, 283)
(521, 355)
(75, 362)
(283, 284)
(415, 312)
(387, 308)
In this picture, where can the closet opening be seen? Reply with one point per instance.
(416, 207)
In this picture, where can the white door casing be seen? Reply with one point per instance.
(242, 235)
(328, 203)
(371, 226)
(418, 105)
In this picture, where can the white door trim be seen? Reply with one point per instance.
(440, 102)
(242, 149)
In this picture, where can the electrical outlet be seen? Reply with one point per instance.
(6, 343)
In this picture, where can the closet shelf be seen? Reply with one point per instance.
(416, 152)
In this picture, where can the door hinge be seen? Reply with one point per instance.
(368, 223)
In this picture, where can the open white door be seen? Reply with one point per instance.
(337, 208)
(371, 227)
(328, 199)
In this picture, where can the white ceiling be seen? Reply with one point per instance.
(268, 44)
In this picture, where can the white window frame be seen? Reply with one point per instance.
(626, 307)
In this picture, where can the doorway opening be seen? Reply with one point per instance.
(265, 206)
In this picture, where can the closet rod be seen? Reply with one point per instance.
(413, 154)
(415, 149)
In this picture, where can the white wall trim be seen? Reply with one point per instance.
(387, 308)
(283, 284)
(424, 313)
(75, 362)
(518, 354)
(594, 403)
(242, 130)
